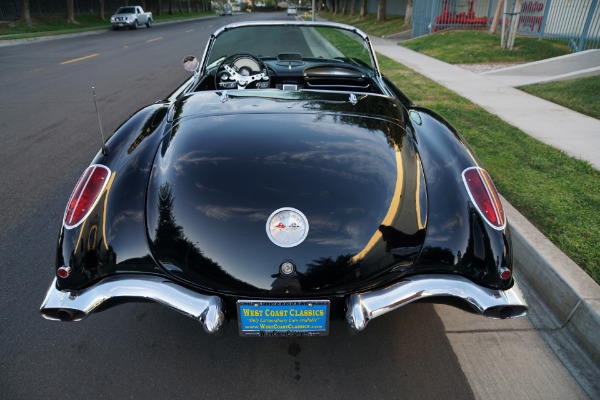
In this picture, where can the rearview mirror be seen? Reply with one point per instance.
(190, 63)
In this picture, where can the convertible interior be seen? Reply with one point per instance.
(289, 71)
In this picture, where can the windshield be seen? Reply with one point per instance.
(310, 42)
(126, 10)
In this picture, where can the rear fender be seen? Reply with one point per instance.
(459, 240)
(112, 239)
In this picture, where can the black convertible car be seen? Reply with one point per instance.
(287, 183)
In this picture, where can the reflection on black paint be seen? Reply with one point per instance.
(326, 271)
(286, 284)
(173, 247)
(336, 166)
(148, 128)
(400, 243)
(90, 259)
(479, 256)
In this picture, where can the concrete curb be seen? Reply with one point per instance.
(37, 39)
(565, 288)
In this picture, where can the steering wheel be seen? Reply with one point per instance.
(242, 71)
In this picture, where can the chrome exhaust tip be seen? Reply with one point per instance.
(62, 314)
(492, 303)
(505, 312)
(68, 305)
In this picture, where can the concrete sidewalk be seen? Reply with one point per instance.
(576, 134)
(566, 289)
(570, 66)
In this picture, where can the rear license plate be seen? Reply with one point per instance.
(283, 318)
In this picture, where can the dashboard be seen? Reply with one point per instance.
(290, 72)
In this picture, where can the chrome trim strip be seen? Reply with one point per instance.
(349, 87)
(291, 23)
(67, 305)
(363, 307)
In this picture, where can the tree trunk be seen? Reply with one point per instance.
(334, 7)
(170, 7)
(101, 9)
(158, 6)
(25, 13)
(70, 13)
(352, 7)
(381, 11)
(180, 9)
(345, 7)
(408, 13)
(363, 9)
(496, 17)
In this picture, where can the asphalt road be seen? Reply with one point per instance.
(48, 135)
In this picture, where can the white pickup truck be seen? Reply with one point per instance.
(131, 17)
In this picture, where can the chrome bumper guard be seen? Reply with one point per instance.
(67, 305)
(363, 307)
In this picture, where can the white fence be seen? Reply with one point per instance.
(575, 21)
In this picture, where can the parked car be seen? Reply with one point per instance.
(292, 11)
(226, 11)
(284, 185)
(131, 17)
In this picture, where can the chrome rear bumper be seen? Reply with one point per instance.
(76, 305)
(210, 310)
(363, 307)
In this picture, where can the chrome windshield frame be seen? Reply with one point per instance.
(317, 24)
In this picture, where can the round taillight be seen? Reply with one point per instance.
(64, 271)
(505, 273)
(86, 194)
(485, 197)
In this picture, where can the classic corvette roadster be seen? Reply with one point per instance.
(286, 184)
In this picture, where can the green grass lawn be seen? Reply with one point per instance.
(393, 23)
(582, 95)
(557, 193)
(44, 24)
(466, 47)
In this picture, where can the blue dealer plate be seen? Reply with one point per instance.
(283, 318)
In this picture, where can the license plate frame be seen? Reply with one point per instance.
(283, 318)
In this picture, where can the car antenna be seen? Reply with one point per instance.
(104, 148)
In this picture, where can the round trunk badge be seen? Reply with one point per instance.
(287, 268)
(287, 227)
